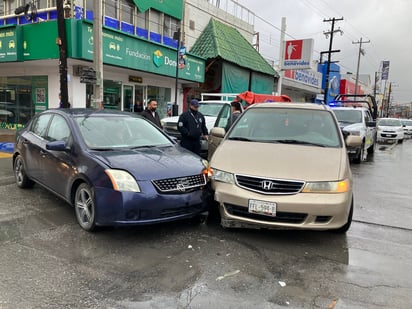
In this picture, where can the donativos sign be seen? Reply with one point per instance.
(297, 54)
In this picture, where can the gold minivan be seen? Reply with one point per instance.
(283, 165)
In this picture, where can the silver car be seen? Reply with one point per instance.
(284, 165)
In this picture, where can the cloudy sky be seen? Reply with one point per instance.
(386, 24)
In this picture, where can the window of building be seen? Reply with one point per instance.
(170, 26)
(162, 96)
(155, 21)
(11, 5)
(127, 11)
(142, 19)
(111, 8)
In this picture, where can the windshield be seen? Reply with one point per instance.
(407, 122)
(348, 115)
(114, 131)
(210, 109)
(387, 122)
(287, 125)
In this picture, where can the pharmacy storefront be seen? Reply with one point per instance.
(302, 85)
(135, 69)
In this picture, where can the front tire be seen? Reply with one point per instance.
(359, 158)
(22, 180)
(85, 207)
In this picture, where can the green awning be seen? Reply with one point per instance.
(173, 8)
(220, 40)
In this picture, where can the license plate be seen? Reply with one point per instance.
(262, 207)
(387, 135)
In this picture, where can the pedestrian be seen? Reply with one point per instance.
(138, 106)
(236, 111)
(192, 126)
(60, 101)
(151, 114)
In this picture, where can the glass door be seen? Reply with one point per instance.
(128, 98)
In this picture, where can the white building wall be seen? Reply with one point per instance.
(197, 13)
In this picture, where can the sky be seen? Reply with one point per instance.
(385, 24)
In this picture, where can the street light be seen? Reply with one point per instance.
(29, 10)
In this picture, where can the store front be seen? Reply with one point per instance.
(134, 70)
(20, 98)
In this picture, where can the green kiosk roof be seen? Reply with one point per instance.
(220, 40)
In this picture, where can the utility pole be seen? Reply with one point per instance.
(330, 33)
(61, 41)
(361, 51)
(281, 55)
(98, 54)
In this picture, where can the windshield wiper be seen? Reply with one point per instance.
(238, 138)
(294, 141)
(103, 149)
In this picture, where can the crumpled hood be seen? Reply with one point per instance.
(293, 162)
(153, 163)
(352, 127)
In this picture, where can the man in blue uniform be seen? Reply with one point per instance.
(192, 126)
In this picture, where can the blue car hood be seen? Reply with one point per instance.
(153, 163)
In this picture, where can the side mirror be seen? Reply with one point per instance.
(218, 132)
(56, 146)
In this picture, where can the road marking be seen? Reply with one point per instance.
(5, 155)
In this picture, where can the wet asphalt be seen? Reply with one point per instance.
(47, 261)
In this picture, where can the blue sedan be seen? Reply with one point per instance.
(114, 167)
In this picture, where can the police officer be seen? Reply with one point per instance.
(192, 126)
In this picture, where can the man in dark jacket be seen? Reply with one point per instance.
(192, 126)
(150, 113)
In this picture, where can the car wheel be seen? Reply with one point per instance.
(400, 141)
(371, 149)
(85, 207)
(22, 180)
(359, 158)
(348, 223)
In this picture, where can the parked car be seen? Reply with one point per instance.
(390, 129)
(407, 127)
(284, 165)
(115, 168)
(358, 121)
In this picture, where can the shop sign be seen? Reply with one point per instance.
(131, 52)
(11, 48)
(307, 77)
(297, 54)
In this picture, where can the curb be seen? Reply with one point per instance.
(6, 181)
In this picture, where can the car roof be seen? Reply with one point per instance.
(74, 112)
(292, 105)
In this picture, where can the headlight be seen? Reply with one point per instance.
(222, 176)
(122, 181)
(327, 187)
(207, 170)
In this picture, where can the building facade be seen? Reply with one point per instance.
(139, 49)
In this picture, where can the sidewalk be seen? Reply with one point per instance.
(6, 143)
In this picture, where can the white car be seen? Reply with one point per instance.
(390, 129)
(358, 121)
(407, 127)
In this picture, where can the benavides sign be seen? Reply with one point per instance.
(131, 52)
(297, 54)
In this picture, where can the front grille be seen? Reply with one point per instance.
(180, 185)
(269, 186)
(281, 216)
